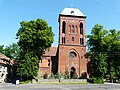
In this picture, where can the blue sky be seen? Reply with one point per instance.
(12, 12)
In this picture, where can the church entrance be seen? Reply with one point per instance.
(72, 72)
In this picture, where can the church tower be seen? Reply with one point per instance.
(72, 42)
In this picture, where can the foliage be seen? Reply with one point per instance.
(67, 76)
(52, 76)
(98, 65)
(95, 39)
(28, 66)
(95, 46)
(96, 80)
(58, 75)
(34, 37)
(104, 48)
(75, 76)
(1, 48)
(12, 51)
(113, 49)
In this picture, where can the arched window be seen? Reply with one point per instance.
(81, 28)
(72, 39)
(76, 29)
(63, 27)
(63, 40)
(73, 29)
(81, 41)
(72, 55)
(69, 28)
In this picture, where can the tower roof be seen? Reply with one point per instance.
(72, 12)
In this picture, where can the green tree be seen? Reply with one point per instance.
(112, 48)
(28, 66)
(12, 51)
(98, 66)
(95, 40)
(34, 37)
(98, 58)
(104, 48)
(1, 48)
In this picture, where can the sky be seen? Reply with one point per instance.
(12, 12)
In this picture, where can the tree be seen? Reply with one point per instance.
(1, 48)
(104, 48)
(113, 50)
(34, 37)
(96, 39)
(28, 66)
(98, 66)
(98, 59)
(12, 51)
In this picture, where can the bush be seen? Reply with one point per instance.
(66, 76)
(45, 76)
(75, 76)
(96, 80)
(52, 76)
(119, 81)
(57, 76)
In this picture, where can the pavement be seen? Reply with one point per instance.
(113, 84)
(6, 84)
(106, 86)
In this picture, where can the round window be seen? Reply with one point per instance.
(72, 55)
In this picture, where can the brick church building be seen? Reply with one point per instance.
(69, 55)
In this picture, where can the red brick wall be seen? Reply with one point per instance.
(69, 22)
(45, 66)
(64, 62)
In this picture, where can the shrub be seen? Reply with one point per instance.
(66, 76)
(96, 80)
(52, 76)
(75, 76)
(45, 76)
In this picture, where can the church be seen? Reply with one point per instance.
(69, 56)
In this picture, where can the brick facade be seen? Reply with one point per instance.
(65, 63)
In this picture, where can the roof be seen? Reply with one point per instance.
(72, 12)
(4, 59)
(2, 56)
(51, 52)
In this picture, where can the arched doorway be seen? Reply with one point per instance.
(72, 72)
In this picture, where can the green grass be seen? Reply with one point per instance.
(25, 82)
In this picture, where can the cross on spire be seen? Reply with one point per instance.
(71, 5)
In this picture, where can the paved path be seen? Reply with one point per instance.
(106, 86)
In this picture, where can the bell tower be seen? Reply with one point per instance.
(72, 42)
(72, 27)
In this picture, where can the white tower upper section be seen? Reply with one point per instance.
(72, 12)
